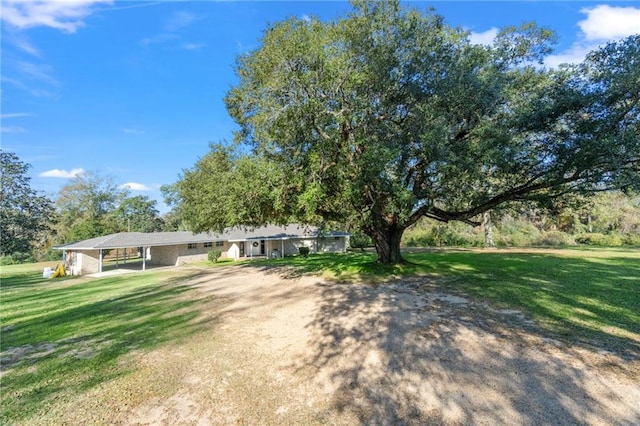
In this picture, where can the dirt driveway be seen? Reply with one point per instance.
(298, 350)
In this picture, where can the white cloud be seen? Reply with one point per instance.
(27, 88)
(13, 129)
(605, 23)
(63, 15)
(27, 47)
(193, 46)
(574, 55)
(21, 42)
(306, 18)
(132, 131)
(159, 38)
(15, 115)
(485, 37)
(135, 186)
(57, 173)
(40, 72)
(170, 37)
(179, 20)
(35, 78)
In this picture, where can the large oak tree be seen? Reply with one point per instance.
(389, 115)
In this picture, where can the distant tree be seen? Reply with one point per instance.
(138, 214)
(615, 212)
(25, 215)
(87, 207)
(389, 115)
(174, 219)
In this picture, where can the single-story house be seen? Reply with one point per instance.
(176, 248)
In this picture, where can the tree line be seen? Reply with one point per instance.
(89, 206)
(609, 219)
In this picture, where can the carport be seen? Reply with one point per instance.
(88, 257)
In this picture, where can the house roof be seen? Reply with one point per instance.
(152, 239)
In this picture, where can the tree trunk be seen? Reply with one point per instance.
(487, 225)
(387, 243)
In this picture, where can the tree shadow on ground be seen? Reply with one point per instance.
(74, 346)
(409, 352)
(592, 302)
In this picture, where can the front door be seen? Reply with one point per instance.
(241, 248)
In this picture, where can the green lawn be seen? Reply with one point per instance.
(62, 337)
(590, 296)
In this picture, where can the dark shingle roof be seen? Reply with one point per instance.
(138, 239)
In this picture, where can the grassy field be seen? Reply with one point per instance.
(63, 337)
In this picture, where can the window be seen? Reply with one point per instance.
(208, 244)
(219, 243)
(192, 246)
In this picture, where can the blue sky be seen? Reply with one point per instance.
(134, 89)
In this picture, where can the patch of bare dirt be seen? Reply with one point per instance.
(307, 351)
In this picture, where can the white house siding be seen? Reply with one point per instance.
(275, 248)
(316, 245)
(233, 252)
(332, 244)
(291, 246)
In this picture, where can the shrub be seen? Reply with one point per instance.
(16, 258)
(632, 240)
(614, 240)
(50, 255)
(592, 238)
(513, 232)
(555, 238)
(598, 239)
(214, 255)
(438, 235)
(360, 240)
(304, 251)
